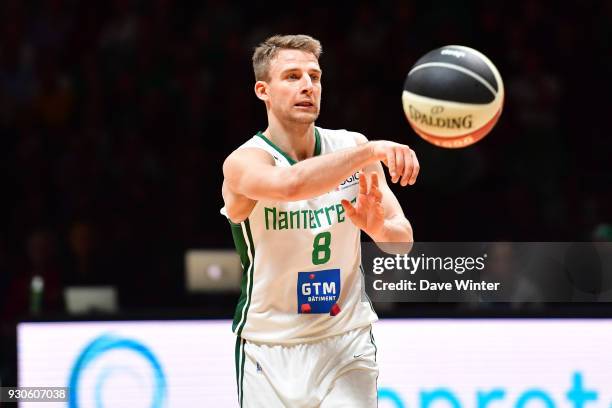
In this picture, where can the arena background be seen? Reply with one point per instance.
(115, 118)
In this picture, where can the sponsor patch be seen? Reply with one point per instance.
(318, 291)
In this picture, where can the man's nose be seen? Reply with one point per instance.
(307, 86)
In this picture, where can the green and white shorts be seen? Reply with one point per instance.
(337, 371)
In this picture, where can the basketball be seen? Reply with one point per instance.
(453, 96)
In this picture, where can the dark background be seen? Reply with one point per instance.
(115, 118)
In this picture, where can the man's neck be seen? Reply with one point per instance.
(296, 140)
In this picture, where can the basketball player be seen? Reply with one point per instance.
(297, 200)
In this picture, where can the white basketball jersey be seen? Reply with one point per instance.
(302, 277)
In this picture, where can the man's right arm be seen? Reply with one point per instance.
(250, 173)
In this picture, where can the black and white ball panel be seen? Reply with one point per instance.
(463, 57)
(449, 84)
(453, 73)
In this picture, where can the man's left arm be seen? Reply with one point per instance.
(377, 211)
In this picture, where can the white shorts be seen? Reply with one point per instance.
(338, 371)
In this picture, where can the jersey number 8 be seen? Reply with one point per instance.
(320, 248)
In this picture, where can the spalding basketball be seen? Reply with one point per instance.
(453, 96)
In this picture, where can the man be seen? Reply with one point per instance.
(296, 199)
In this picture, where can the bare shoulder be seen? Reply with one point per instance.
(236, 167)
(243, 157)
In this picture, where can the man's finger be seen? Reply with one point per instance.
(362, 201)
(376, 194)
(409, 167)
(374, 180)
(374, 190)
(348, 208)
(363, 185)
(400, 163)
(391, 164)
(416, 167)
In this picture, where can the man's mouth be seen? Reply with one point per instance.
(305, 104)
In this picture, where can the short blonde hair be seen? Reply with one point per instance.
(267, 50)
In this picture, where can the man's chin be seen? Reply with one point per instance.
(305, 118)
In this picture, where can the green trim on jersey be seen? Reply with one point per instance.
(243, 356)
(246, 286)
(237, 364)
(239, 357)
(317, 148)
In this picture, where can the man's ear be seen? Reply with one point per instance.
(261, 90)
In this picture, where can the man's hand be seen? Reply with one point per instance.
(400, 159)
(368, 214)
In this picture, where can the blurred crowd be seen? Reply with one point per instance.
(115, 118)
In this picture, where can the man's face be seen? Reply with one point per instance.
(294, 86)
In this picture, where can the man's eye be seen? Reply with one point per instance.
(315, 78)
(292, 76)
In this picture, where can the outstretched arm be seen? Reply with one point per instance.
(250, 174)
